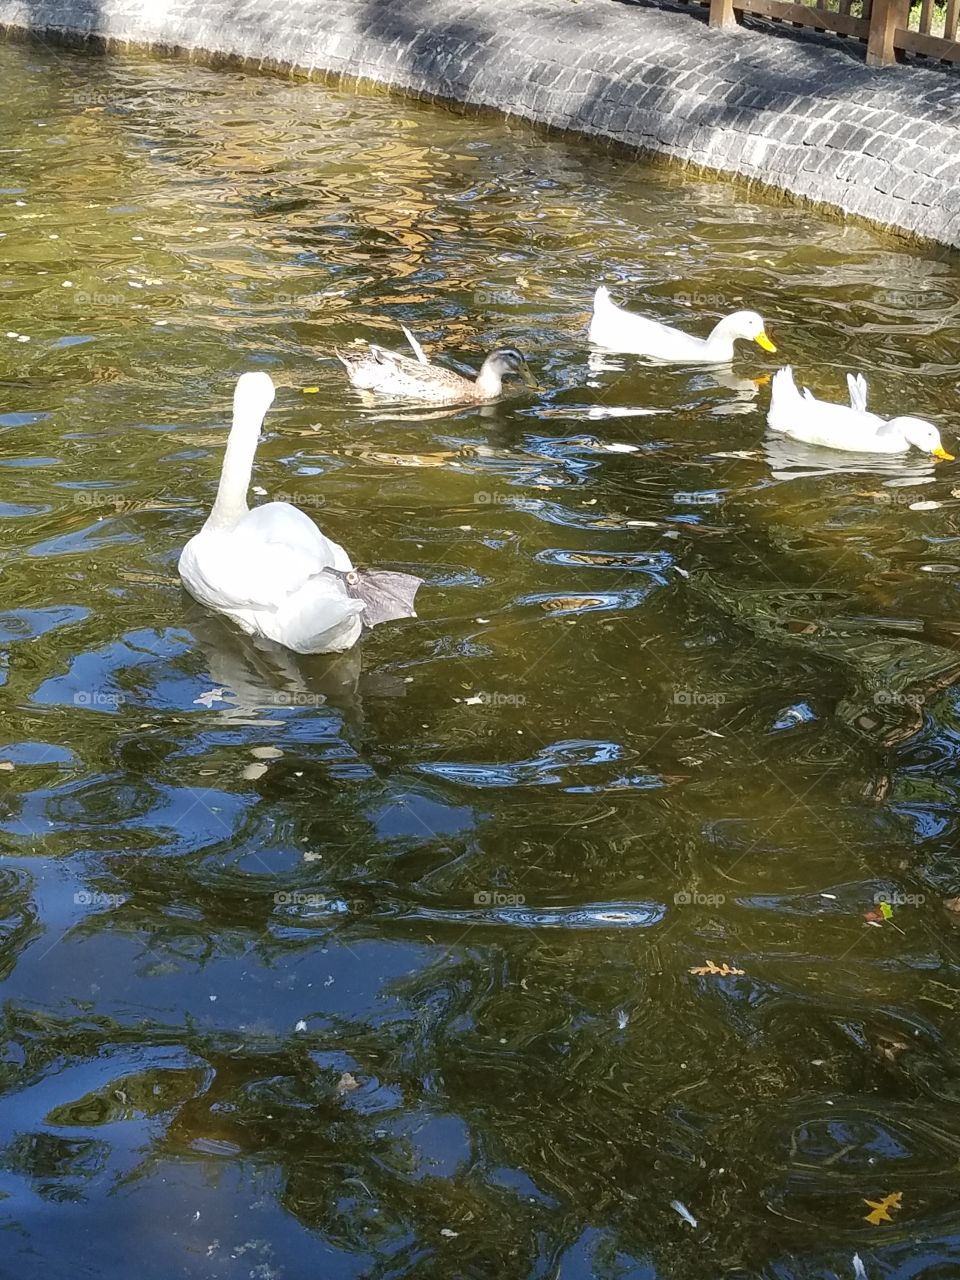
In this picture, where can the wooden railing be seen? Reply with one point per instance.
(927, 38)
(884, 25)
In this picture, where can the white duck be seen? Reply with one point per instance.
(850, 427)
(271, 569)
(619, 330)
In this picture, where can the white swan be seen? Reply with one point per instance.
(271, 569)
(850, 427)
(619, 330)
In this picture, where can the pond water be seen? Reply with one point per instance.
(399, 963)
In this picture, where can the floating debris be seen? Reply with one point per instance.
(683, 1211)
(720, 971)
(792, 717)
(210, 697)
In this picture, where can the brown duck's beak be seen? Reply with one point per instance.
(526, 376)
(941, 453)
(763, 341)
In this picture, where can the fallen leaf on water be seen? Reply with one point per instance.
(721, 970)
(889, 1048)
(310, 391)
(347, 1082)
(571, 602)
(880, 1209)
(883, 912)
(952, 904)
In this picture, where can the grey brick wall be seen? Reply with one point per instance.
(801, 115)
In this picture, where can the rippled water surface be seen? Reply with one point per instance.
(402, 963)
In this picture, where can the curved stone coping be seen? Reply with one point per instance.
(800, 115)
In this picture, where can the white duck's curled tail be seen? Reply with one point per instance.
(785, 400)
(604, 320)
(857, 386)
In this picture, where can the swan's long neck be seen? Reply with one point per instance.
(231, 504)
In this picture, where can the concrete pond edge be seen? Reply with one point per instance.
(799, 117)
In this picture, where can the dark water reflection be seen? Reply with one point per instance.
(382, 965)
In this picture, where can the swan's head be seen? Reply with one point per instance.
(748, 325)
(922, 435)
(252, 398)
(507, 360)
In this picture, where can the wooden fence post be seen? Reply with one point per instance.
(721, 13)
(885, 17)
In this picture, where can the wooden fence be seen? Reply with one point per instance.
(884, 25)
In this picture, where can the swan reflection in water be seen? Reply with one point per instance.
(258, 676)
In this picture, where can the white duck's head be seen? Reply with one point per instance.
(922, 435)
(748, 325)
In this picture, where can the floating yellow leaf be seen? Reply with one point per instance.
(310, 391)
(880, 1209)
(718, 970)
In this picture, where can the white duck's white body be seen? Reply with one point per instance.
(850, 427)
(271, 569)
(618, 330)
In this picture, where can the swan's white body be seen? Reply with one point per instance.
(619, 330)
(850, 427)
(270, 569)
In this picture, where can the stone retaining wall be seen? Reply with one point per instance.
(794, 112)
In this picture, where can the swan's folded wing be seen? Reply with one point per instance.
(242, 574)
